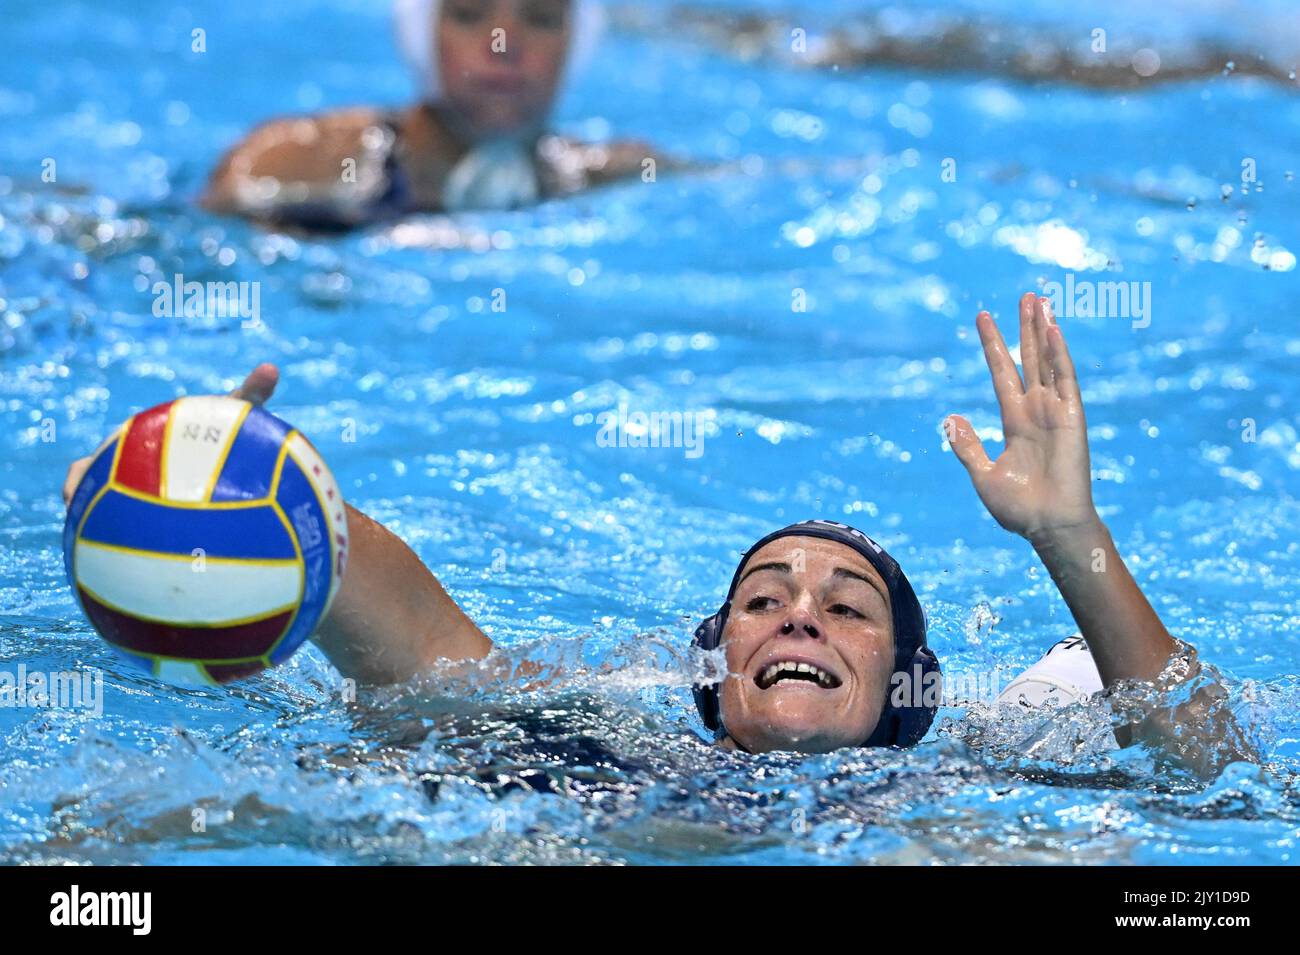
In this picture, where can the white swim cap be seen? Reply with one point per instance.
(414, 22)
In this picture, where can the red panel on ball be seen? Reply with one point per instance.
(193, 643)
(139, 466)
(229, 672)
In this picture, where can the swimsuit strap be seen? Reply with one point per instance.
(395, 199)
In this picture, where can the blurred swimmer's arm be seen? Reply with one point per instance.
(621, 160)
(1040, 487)
(297, 169)
(569, 166)
(391, 618)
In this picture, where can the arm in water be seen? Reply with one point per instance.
(310, 171)
(391, 618)
(1040, 487)
(350, 167)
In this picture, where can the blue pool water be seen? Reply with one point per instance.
(475, 436)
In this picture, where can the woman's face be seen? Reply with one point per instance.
(810, 648)
(501, 61)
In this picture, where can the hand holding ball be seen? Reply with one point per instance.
(206, 540)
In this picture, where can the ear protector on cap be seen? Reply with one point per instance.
(902, 725)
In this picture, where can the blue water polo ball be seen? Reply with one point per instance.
(206, 541)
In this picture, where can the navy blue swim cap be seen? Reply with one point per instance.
(898, 725)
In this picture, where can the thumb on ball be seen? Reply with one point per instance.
(259, 385)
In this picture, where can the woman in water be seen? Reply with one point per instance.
(820, 627)
(489, 73)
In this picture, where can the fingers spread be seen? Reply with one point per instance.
(1006, 380)
(1067, 382)
(1044, 318)
(1030, 345)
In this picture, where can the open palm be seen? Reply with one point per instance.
(1041, 482)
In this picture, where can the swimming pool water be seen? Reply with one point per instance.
(472, 433)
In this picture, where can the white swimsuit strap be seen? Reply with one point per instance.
(1065, 674)
(500, 174)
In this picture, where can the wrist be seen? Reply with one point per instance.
(1058, 537)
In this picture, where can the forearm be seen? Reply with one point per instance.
(314, 205)
(1129, 642)
(391, 618)
(294, 171)
(1123, 631)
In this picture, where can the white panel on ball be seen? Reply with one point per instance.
(222, 592)
(199, 435)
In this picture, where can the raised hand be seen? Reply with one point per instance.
(1040, 486)
(257, 388)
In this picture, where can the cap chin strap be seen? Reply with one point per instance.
(723, 734)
